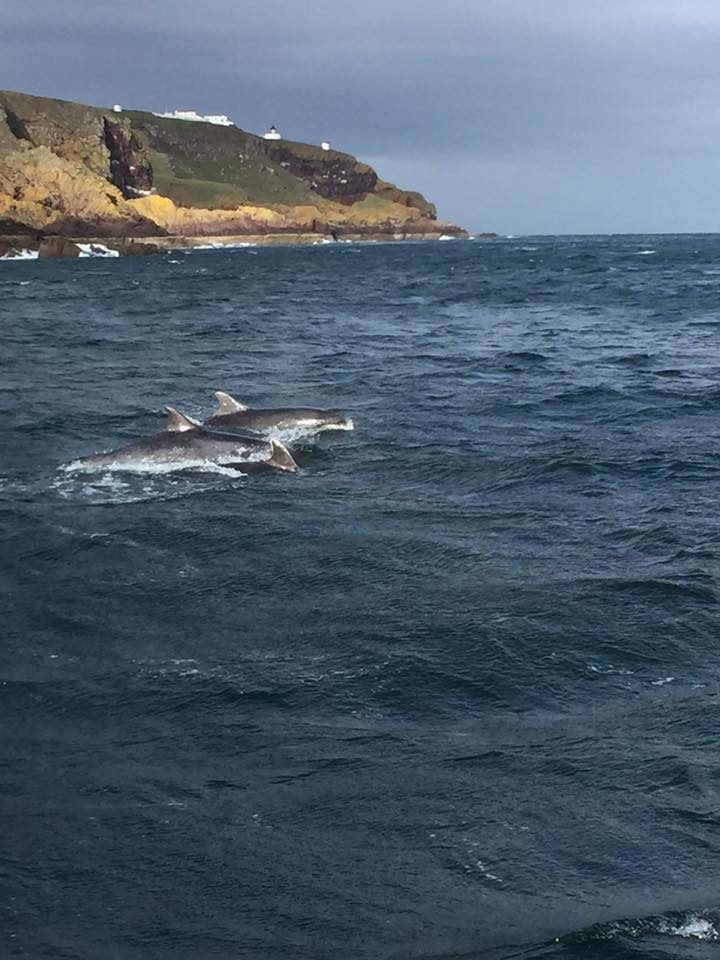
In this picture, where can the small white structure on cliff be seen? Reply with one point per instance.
(117, 108)
(219, 119)
(272, 134)
(325, 145)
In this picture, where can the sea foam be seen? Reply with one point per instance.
(21, 255)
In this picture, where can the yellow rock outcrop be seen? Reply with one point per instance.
(49, 193)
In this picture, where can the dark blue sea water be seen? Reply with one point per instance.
(451, 691)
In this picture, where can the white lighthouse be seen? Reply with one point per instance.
(272, 134)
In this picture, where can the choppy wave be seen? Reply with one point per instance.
(155, 467)
(118, 487)
(652, 932)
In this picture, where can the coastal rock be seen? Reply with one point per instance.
(325, 218)
(72, 131)
(332, 175)
(406, 198)
(48, 193)
(130, 168)
(15, 228)
(57, 247)
(135, 248)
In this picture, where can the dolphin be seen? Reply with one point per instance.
(183, 443)
(232, 414)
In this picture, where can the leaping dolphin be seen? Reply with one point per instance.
(186, 442)
(232, 414)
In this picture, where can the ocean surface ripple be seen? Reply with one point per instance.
(450, 691)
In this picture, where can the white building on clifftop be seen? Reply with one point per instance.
(272, 134)
(219, 119)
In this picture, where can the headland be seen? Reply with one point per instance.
(138, 182)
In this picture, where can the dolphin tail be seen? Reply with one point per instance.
(227, 404)
(281, 457)
(177, 422)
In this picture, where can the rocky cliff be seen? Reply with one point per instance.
(76, 171)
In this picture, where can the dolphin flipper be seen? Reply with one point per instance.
(227, 404)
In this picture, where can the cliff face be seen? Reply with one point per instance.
(332, 175)
(130, 168)
(48, 194)
(71, 170)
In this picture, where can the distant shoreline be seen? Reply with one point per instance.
(25, 247)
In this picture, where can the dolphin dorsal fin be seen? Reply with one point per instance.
(227, 404)
(281, 457)
(177, 422)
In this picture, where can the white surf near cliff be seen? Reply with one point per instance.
(20, 255)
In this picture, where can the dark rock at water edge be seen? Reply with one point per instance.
(57, 247)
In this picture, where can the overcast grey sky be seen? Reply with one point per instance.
(521, 116)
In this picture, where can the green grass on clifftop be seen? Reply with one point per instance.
(201, 165)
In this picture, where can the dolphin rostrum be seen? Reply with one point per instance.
(231, 414)
(184, 443)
